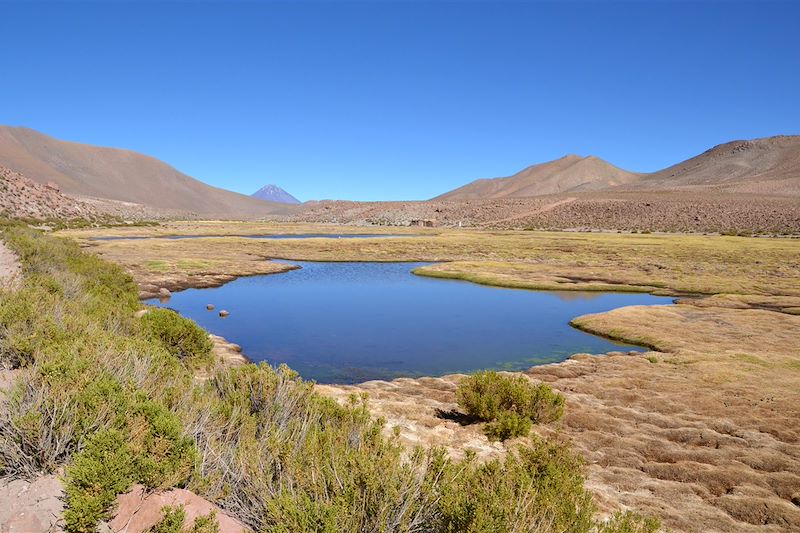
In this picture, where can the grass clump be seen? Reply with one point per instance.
(510, 404)
(174, 521)
(630, 522)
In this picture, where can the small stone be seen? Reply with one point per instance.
(210, 307)
(164, 292)
(223, 313)
(140, 313)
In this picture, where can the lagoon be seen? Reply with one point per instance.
(352, 322)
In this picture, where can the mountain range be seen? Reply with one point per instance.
(768, 166)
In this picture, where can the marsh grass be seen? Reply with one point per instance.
(539, 260)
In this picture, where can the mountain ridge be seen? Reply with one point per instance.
(766, 165)
(122, 175)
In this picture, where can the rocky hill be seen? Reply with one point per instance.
(571, 173)
(273, 193)
(21, 197)
(669, 211)
(762, 166)
(121, 175)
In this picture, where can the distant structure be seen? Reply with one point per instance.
(424, 222)
(273, 193)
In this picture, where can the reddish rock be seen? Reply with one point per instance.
(33, 506)
(138, 511)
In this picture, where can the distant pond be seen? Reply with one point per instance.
(352, 322)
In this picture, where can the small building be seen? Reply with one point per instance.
(424, 222)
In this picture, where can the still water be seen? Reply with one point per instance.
(351, 322)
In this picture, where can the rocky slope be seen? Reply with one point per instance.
(273, 193)
(761, 166)
(675, 211)
(21, 197)
(121, 175)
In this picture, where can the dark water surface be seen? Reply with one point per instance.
(351, 322)
(266, 236)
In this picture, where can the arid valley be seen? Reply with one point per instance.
(685, 429)
(399, 267)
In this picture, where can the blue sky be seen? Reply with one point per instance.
(399, 100)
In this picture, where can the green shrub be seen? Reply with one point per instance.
(94, 479)
(149, 449)
(538, 487)
(180, 336)
(172, 522)
(175, 518)
(509, 403)
(508, 425)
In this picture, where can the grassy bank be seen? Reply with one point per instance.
(113, 398)
(764, 269)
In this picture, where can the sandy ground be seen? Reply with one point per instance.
(9, 266)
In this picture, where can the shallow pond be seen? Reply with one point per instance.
(351, 322)
(266, 236)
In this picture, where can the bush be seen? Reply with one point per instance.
(175, 518)
(150, 449)
(509, 403)
(180, 336)
(537, 487)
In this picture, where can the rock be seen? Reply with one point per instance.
(140, 313)
(164, 292)
(210, 307)
(138, 511)
(223, 313)
(33, 506)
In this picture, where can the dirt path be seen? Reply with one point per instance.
(9, 266)
(538, 211)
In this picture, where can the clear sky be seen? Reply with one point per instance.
(399, 100)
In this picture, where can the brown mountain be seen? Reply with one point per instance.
(769, 165)
(766, 166)
(111, 173)
(571, 173)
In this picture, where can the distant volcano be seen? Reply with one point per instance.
(273, 193)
